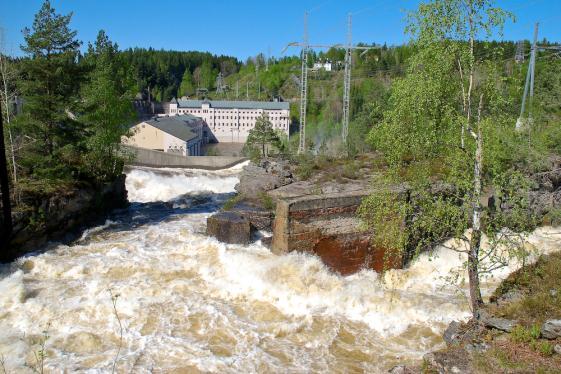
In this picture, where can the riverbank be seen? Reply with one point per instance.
(60, 215)
(520, 329)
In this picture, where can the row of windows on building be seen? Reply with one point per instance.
(247, 125)
(271, 115)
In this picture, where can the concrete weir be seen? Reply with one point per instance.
(158, 159)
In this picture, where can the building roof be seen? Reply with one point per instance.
(223, 104)
(184, 127)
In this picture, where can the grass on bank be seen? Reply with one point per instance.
(522, 351)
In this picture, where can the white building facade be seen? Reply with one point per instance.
(231, 121)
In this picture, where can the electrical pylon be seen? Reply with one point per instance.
(529, 85)
(347, 79)
(220, 83)
(304, 80)
(519, 57)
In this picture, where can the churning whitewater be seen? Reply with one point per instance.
(188, 303)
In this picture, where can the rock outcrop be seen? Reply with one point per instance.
(60, 216)
(266, 176)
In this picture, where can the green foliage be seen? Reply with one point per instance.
(231, 202)
(76, 109)
(187, 87)
(107, 107)
(427, 194)
(267, 201)
(204, 75)
(261, 136)
(50, 88)
(521, 334)
(162, 72)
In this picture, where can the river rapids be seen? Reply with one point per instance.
(189, 304)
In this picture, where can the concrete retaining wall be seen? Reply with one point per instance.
(158, 159)
(327, 226)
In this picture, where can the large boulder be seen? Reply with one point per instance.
(266, 176)
(551, 329)
(229, 227)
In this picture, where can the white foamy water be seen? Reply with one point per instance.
(191, 304)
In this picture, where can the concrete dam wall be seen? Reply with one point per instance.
(158, 159)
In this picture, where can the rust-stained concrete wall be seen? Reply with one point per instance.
(327, 226)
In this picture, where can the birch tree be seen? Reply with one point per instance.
(433, 188)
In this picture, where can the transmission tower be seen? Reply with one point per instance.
(529, 85)
(304, 80)
(347, 78)
(220, 86)
(304, 88)
(519, 57)
(530, 77)
(267, 59)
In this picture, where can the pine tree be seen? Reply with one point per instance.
(107, 107)
(52, 78)
(262, 134)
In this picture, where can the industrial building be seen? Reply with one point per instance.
(231, 121)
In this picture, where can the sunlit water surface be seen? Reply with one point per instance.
(188, 303)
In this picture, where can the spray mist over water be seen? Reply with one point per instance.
(188, 302)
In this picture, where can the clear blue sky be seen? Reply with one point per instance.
(243, 28)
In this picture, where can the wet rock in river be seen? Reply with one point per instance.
(229, 227)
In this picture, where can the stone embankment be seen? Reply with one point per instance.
(60, 216)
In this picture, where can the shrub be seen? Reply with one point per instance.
(231, 202)
(267, 201)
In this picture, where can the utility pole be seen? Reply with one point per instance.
(247, 90)
(237, 89)
(347, 79)
(304, 88)
(529, 85)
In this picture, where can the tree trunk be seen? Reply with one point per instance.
(473, 272)
(475, 242)
(6, 228)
